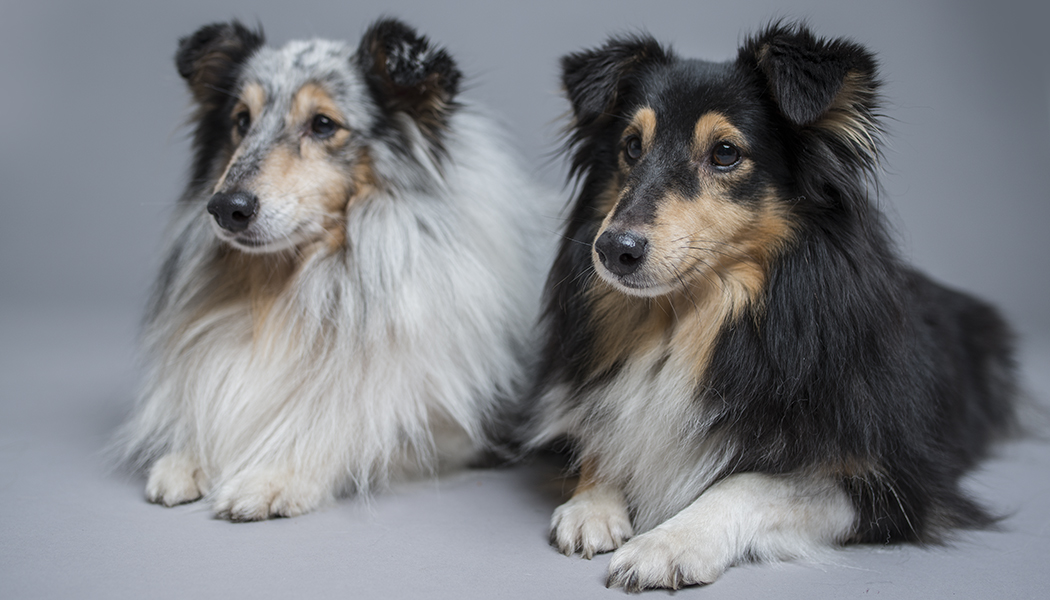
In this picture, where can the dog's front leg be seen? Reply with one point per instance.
(594, 520)
(744, 515)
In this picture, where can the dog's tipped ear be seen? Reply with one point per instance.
(210, 59)
(810, 77)
(595, 80)
(408, 74)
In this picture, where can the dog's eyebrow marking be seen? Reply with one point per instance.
(253, 97)
(312, 99)
(714, 127)
(643, 124)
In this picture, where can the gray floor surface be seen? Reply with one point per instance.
(70, 528)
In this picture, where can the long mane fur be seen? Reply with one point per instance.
(359, 351)
(851, 365)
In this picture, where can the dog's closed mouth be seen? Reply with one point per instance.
(249, 241)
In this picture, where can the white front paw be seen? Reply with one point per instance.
(667, 558)
(175, 478)
(593, 521)
(260, 494)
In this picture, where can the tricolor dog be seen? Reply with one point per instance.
(744, 365)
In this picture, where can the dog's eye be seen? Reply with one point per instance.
(244, 122)
(725, 154)
(632, 149)
(323, 127)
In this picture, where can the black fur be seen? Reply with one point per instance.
(210, 61)
(407, 74)
(805, 74)
(852, 362)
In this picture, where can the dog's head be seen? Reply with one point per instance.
(287, 137)
(699, 170)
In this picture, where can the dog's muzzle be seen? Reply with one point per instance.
(234, 211)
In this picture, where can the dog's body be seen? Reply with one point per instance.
(348, 292)
(744, 366)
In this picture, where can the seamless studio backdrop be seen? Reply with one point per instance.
(93, 154)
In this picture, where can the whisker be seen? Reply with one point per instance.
(686, 288)
(738, 255)
(706, 272)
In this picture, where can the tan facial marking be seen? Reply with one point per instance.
(713, 242)
(709, 254)
(711, 129)
(252, 100)
(312, 100)
(718, 256)
(254, 97)
(303, 180)
(305, 187)
(714, 127)
(642, 125)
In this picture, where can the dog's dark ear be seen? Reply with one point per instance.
(808, 76)
(828, 91)
(407, 74)
(830, 85)
(595, 80)
(210, 59)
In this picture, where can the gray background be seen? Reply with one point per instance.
(93, 154)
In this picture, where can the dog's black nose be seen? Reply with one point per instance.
(233, 211)
(621, 252)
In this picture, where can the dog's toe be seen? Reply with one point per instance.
(665, 559)
(174, 479)
(270, 493)
(592, 522)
